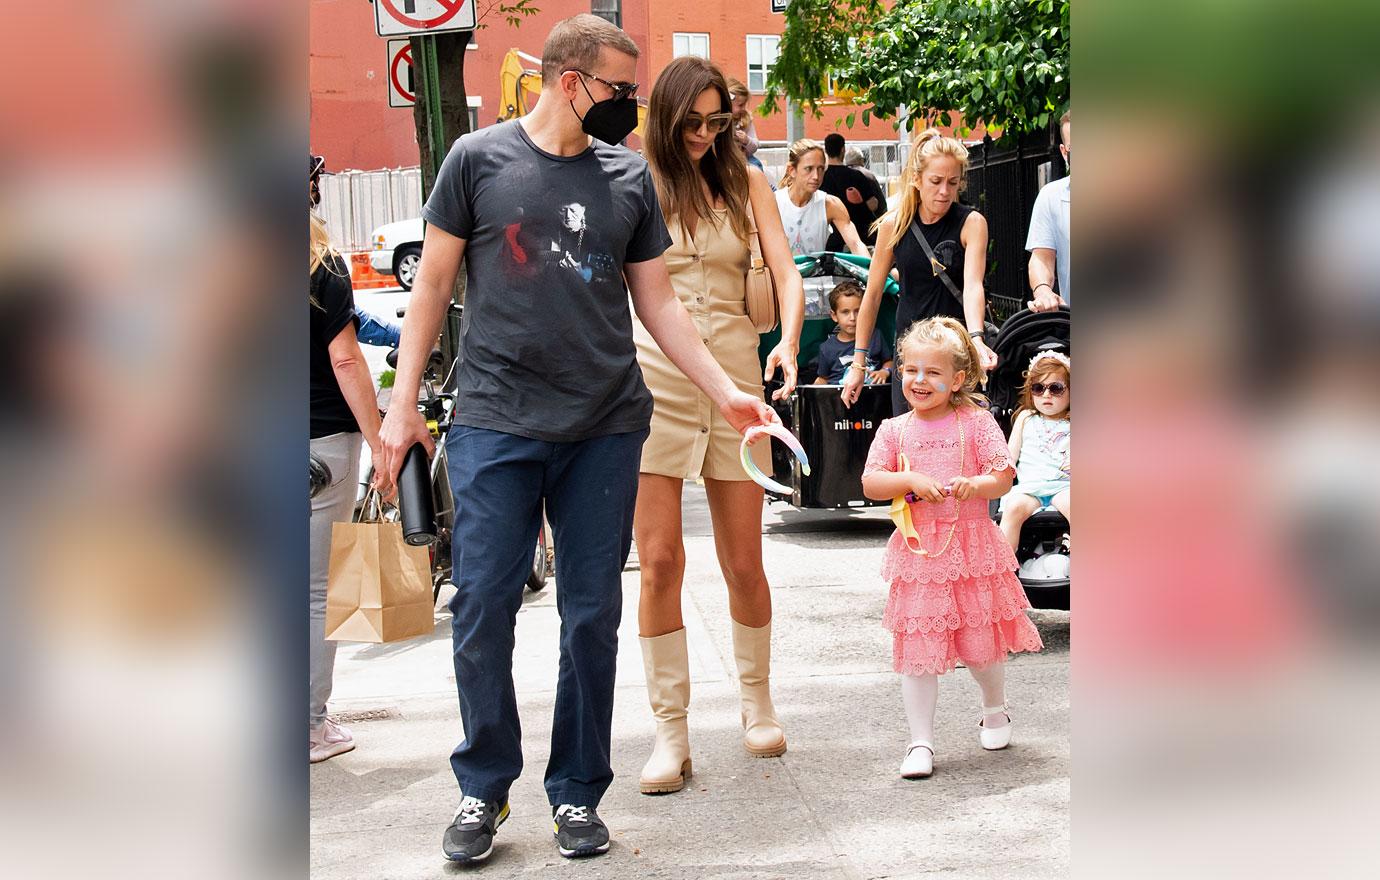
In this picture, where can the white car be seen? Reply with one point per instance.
(398, 250)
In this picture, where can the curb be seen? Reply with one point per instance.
(363, 276)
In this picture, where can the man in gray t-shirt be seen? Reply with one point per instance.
(548, 350)
(551, 218)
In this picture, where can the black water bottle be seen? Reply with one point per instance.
(415, 501)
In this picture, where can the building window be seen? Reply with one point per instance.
(690, 44)
(761, 58)
(476, 103)
(609, 10)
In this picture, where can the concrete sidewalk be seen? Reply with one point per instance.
(832, 806)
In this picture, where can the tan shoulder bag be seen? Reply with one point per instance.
(760, 288)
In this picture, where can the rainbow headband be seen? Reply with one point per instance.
(1058, 356)
(750, 466)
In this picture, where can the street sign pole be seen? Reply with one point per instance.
(430, 93)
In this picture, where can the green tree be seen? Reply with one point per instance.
(1002, 62)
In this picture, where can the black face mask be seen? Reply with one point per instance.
(610, 121)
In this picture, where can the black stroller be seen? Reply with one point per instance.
(1024, 335)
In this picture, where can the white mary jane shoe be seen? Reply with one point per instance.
(994, 738)
(918, 762)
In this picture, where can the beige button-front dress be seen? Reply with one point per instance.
(690, 438)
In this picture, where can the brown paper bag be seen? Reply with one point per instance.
(378, 587)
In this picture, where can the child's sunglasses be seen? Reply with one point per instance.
(715, 122)
(1054, 388)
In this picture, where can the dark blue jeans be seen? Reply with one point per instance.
(589, 489)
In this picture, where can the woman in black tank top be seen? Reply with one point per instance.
(958, 236)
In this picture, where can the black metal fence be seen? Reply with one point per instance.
(1003, 181)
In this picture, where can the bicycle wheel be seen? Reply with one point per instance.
(536, 579)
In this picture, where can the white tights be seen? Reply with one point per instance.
(920, 694)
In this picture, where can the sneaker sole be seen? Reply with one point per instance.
(462, 858)
(469, 860)
(583, 851)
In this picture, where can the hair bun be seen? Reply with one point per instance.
(925, 137)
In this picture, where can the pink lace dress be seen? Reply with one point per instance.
(964, 603)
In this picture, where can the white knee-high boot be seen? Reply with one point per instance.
(762, 734)
(666, 661)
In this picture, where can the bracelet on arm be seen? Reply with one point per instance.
(857, 367)
(856, 350)
(978, 334)
(1042, 284)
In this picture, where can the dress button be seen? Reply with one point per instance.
(699, 299)
(695, 257)
(704, 429)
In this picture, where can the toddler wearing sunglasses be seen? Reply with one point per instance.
(1040, 445)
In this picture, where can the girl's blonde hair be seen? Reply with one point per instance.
(1045, 368)
(319, 252)
(952, 338)
(795, 154)
(927, 146)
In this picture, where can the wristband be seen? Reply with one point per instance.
(857, 367)
(856, 350)
(1043, 284)
(977, 334)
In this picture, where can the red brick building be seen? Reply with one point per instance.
(354, 128)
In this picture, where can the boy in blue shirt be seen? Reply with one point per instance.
(836, 352)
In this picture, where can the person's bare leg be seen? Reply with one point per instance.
(660, 554)
(1063, 502)
(1015, 512)
(735, 508)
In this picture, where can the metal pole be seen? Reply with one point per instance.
(431, 81)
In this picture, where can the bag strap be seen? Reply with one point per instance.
(754, 239)
(936, 267)
(371, 511)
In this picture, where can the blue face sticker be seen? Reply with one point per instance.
(940, 386)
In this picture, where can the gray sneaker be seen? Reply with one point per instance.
(470, 837)
(580, 831)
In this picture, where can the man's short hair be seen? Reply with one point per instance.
(854, 158)
(833, 145)
(1063, 126)
(574, 44)
(842, 289)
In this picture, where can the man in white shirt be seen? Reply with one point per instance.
(1048, 240)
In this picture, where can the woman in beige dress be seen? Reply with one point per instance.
(710, 198)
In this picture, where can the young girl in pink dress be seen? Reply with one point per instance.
(954, 593)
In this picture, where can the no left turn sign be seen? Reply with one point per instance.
(402, 89)
(399, 18)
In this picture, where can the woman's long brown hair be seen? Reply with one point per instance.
(724, 167)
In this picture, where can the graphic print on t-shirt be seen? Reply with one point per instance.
(559, 246)
(947, 252)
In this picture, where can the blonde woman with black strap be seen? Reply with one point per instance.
(950, 284)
